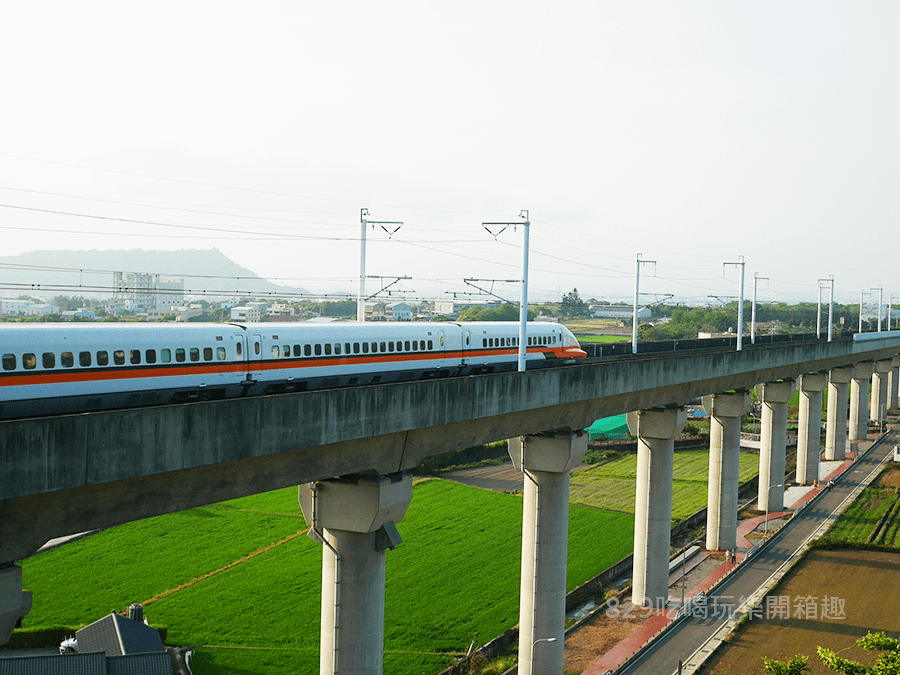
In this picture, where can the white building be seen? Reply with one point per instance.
(82, 313)
(618, 312)
(246, 314)
(399, 311)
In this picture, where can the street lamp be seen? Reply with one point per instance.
(553, 639)
(767, 506)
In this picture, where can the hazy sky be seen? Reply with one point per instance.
(690, 132)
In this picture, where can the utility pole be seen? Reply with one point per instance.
(363, 223)
(756, 279)
(637, 285)
(740, 329)
(523, 305)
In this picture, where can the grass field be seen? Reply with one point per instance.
(602, 338)
(456, 576)
(858, 522)
(611, 484)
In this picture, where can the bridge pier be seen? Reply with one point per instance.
(354, 518)
(14, 602)
(656, 430)
(773, 441)
(859, 398)
(836, 426)
(809, 431)
(546, 460)
(879, 395)
(894, 383)
(725, 410)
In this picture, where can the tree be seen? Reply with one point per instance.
(572, 305)
(886, 664)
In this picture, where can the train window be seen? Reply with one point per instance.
(307, 350)
(430, 345)
(356, 348)
(365, 347)
(29, 361)
(276, 351)
(286, 351)
(239, 347)
(467, 340)
(48, 360)
(415, 345)
(134, 356)
(179, 355)
(383, 348)
(9, 362)
(119, 357)
(220, 353)
(484, 342)
(298, 350)
(390, 346)
(327, 349)
(346, 347)
(207, 353)
(103, 358)
(375, 347)
(442, 340)
(150, 356)
(337, 347)
(67, 359)
(165, 355)
(84, 359)
(255, 348)
(318, 350)
(195, 353)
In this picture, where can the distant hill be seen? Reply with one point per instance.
(205, 271)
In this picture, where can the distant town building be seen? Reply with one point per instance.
(245, 314)
(399, 311)
(375, 311)
(454, 307)
(149, 292)
(83, 313)
(618, 312)
(26, 308)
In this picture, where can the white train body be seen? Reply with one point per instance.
(65, 368)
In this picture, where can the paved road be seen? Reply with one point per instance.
(684, 639)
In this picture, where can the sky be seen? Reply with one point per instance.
(693, 134)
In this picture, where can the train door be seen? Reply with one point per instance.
(254, 355)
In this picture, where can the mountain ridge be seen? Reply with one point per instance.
(90, 272)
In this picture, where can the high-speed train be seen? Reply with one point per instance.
(50, 369)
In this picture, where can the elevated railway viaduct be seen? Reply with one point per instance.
(349, 450)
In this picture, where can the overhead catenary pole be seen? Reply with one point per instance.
(861, 310)
(637, 293)
(363, 224)
(831, 307)
(523, 307)
(880, 304)
(756, 279)
(740, 327)
(523, 304)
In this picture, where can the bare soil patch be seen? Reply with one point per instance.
(890, 477)
(866, 581)
(599, 636)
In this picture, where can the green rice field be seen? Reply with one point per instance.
(241, 580)
(611, 484)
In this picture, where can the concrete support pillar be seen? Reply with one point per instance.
(725, 412)
(894, 384)
(859, 397)
(879, 404)
(773, 439)
(354, 517)
(836, 427)
(14, 602)
(547, 460)
(656, 430)
(809, 428)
